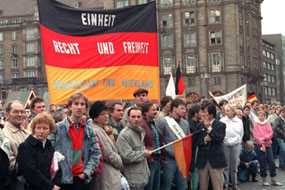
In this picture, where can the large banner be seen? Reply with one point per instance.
(238, 96)
(106, 54)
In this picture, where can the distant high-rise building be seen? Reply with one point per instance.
(269, 71)
(279, 41)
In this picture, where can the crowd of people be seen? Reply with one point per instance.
(109, 145)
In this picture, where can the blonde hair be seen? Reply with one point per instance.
(249, 145)
(43, 117)
(261, 112)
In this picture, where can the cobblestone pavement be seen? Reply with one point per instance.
(258, 185)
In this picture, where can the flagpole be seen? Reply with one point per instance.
(175, 141)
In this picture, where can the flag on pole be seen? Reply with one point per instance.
(179, 84)
(170, 90)
(183, 154)
(252, 97)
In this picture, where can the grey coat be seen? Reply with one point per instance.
(168, 135)
(109, 178)
(62, 143)
(130, 145)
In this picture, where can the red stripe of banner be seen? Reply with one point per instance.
(180, 86)
(114, 49)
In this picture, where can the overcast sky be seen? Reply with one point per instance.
(273, 13)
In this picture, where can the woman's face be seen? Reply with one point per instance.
(102, 118)
(42, 131)
(261, 117)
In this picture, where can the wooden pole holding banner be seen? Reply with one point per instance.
(175, 141)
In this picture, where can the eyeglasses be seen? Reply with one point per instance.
(18, 111)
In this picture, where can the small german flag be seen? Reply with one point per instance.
(251, 97)
(179, 84)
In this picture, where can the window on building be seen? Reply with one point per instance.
(265, 91)
(264, 64)
(191, 63)
(188, 2)
(1, 78)
(190, 39)
(76, 4)
(215, 37)
(189, 18)
(214, 16)
(14, 35)
(30, 47)
(166, 20)
(1, 50)
(216, 62)
(30, 61)
(166, 3)
(15, 75)
(272, 67)
(30, 34)
(1, 36)
(273, 79)
(15, 49)
(14, 63)
(167, 41)
(268, 66)
(271, 55)
(213, 1)
(264, 53)
(1, 64)
(167, 64)
(17, 21)
(265, 78)
(217, 80)
(142, 2)
(273, 92)
(122, 3)
(30, 74)
(4, 21)
(269, 91)
(268, 54)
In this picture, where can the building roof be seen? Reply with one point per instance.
(27, 7)
(16, 7)
(22, 96)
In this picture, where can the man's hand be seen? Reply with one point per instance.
(55, 187)
(208, 138)
(246, 165)
(81, 176)
(148, 152)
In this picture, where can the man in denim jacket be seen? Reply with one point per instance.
(77, 141)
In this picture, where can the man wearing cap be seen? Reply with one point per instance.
(140, 97)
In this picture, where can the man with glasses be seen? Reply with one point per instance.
(171, 128)
(12, 130)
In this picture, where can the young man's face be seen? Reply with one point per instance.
(246, 111)
(135, 118)
(180, 110)
(118, 112)
(152, 112)
(78, 107)
(39, 107)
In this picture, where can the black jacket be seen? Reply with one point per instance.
(246, 128)
(280, 128)
(212, 151)
(34, 164)
(4, 165)
(246, 157)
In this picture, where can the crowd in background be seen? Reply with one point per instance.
(112, 145)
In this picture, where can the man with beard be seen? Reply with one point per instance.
(171, 128)
(116, 112)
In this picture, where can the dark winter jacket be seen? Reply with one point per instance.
(246, 128)
(4, 166)
(280, 128)
(247, 157)
(34, 164)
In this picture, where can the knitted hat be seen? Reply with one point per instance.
(96, 108)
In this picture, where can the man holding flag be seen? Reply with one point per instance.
(171, 128)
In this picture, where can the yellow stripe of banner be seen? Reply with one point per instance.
(108, 83)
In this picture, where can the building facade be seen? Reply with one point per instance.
(279, 41)
(216, 42)
(269, 71)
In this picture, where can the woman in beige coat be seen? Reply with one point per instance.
(109, 178)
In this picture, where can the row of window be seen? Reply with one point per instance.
(268, 91)
(14, 75)
(268, 54)
(189, 18)
(162, 3)
(29, 33)
(269, 78)
(14, 21)
(268, 66)
(191, 63)
(190, 39)
(30, 48)
(29, 62)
